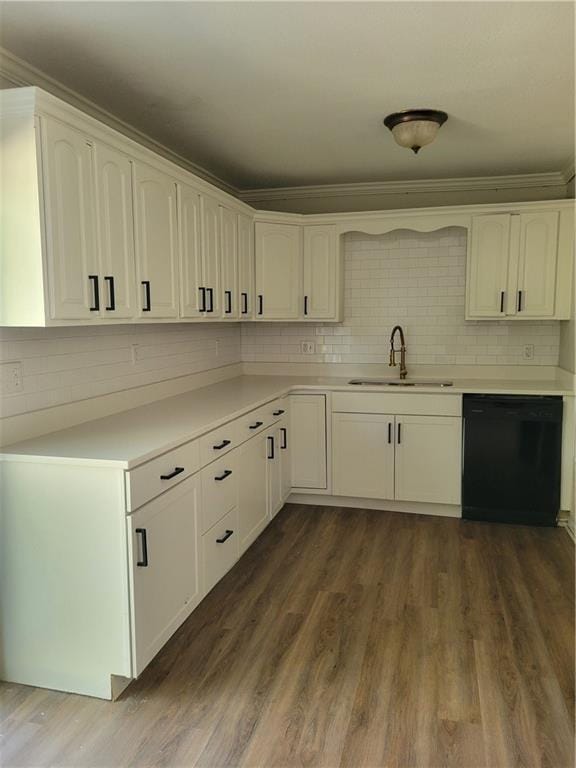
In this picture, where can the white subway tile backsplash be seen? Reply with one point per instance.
(417, 279)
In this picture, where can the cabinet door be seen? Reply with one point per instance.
(274, 456)
(253, 485)
(70, 227)
(229, 262)
(537, 264)
(192, 288)
(487, 269)
(156, 242)
(363, 455)
(113, 172)
(278, 271)
(211, 255)
(163, 551)
(308, 437)
(428, 459)
(320, 272)
(285, 446)
(245, 266)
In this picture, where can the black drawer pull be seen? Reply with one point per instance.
(228, 298)
(260, 304)
(96, 306)
(305, 305)
(202, 299)
(227, 473)
(225, 537)
(147, 302)
(144, 544)
(177, 471)
(111, 294)
(210, 299)
(244, 303)
(519, 301)
(223, 444)
(278, 413)
(284, 433)
(271, 444)
(256, 425)
(502, 294)
(389, 433)
(399, 433)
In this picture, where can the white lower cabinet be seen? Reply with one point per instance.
(274, 456)
(253, 489)
(308, 440)
(219, 549)
(219, 490)
(363, 455)
(164, 568)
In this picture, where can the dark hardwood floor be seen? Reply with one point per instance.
(345, 638)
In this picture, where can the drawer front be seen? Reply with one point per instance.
(253, 423)
(219, 490)
(153, 478)
(218, 442)
(397, 403)
(219, 549)
(277, 409)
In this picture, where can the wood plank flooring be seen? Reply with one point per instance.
(344, 638)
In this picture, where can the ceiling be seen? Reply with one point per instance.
(268, 94)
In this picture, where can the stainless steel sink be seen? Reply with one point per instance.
(398, 383)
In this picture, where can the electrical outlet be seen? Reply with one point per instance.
(307, 347)
(11, 381)
(528, 352)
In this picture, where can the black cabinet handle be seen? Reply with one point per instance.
(221, 445)
(202, 299)
(519, 301)
(260, 304)
(389, 433)
(399, 433)
(256, 425)
(271, 444)
(144, 544)
(228, 298)
(502, 294)
(111, 295)
(226, 536)
(284, 433)
(96, 306)
(147, 302)
(277, 413)
(177, 471)
(227, 473)
(244, 303)
(210, 299)
(305, 305)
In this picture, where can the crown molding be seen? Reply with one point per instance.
(465, 184)
(20, 73)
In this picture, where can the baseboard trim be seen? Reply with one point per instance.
(414, 508)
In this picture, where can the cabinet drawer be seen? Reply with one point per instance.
(219, 490)
(158, 475)
(218, 442)
(397, 402)
(220, 549)
(277, 409)
(253, 423)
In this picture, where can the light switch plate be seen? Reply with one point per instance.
(528, 352)
(307, 347)
(11, 381)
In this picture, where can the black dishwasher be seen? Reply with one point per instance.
(512, 457)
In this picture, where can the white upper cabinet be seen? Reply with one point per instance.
(278, 249)
(229, 264)
(245, 266)
(211, 256)
(192, 290)
(113, 173)
(488, 265)
(156, 242)
(321, 273)
(537, 264)
(515, 267)
(72, 257)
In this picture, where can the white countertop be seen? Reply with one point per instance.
(132, 437)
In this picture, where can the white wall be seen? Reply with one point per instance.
(65, 365)
(417, 280)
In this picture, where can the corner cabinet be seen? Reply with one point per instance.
(520, 266)
(298, 272)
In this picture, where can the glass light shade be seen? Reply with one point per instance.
(415, 133)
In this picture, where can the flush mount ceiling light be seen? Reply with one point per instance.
(414, 128)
